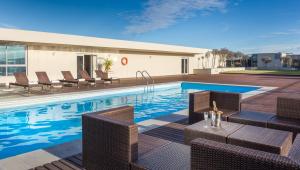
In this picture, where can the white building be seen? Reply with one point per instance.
(30, 51)
(275, 61)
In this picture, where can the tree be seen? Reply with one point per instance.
(207, 55)
(223, 54)
(214, 53)
(230, 56)
(107, 64)
(242, 57)
(287, 61)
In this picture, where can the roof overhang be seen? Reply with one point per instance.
(33, 37)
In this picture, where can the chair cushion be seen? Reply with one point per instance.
(281, 123)
(147, 143)
(170, 156)
(251, 118)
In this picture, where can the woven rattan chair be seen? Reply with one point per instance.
(211, 155)
(200, 102)
(111, 141)
(287, 115)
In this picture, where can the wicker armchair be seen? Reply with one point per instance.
(210, 155)
(287, 115)
(200, 102)
(111, 141)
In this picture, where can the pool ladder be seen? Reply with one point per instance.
(147, 79)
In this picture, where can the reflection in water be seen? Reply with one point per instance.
(41, 126)
(46, 125)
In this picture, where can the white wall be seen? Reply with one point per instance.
(54, 59)
(53, 62)
(155, 64)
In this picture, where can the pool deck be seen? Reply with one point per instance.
(163, 127)
(287, 86)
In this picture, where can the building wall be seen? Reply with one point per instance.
(275, 60)
(53, 62)
(155, 64)
(54, 59)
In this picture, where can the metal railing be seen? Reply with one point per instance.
(149, 77)
(146, 77)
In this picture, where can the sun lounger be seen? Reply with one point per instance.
(104, 76)
(68, 78)
(88, 78)
(43, 79)
(22, 80)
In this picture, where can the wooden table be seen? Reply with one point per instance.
(264, 139)
(199, 130)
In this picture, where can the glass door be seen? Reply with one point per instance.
(80, 64)
(184, 66)
(88, 64)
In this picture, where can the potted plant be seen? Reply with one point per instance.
(107, 64)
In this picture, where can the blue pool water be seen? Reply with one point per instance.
(40, 126)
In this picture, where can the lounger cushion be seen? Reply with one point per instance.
(251, 118)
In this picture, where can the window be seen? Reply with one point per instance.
(184, 66)
(2, 54)
(12, 59)
(15, 55)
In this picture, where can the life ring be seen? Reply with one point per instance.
(124, 61)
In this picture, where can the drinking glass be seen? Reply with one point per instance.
(205, 119)
(213, 118)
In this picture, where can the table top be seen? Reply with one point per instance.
(226, 128)
(200, 130)
(270, 140)
(261, 135)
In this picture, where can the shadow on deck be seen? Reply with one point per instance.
(171, 132)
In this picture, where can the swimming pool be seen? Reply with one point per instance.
(24, 129)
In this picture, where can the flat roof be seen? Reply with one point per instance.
(25, 36)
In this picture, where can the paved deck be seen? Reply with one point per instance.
(288, 86)
(266, 102)
(172, 132)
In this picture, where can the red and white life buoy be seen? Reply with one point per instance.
(124, 61)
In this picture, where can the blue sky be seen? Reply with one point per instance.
(244, 25)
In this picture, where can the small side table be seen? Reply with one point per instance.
(220, 134)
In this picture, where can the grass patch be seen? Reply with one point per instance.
(270, 72)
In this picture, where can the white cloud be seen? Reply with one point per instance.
(159, 14)
(274, 48)
(282, 33)
(5, 25)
